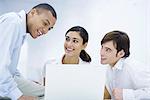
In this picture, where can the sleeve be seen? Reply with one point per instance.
(8, 86)
(141, 91)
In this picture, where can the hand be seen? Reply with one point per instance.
(27, 98)
(117, 93)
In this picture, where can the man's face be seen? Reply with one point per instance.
(73, 44)
(40, 22)
(109, 54)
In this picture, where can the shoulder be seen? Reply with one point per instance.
(135, 66)
(83, 62)
(12, 17)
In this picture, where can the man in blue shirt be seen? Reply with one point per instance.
(13, 28)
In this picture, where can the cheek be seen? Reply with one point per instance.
(65, 44)
(78, 48)
(32, 27)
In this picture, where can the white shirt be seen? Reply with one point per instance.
(132, 77)
(12, 34)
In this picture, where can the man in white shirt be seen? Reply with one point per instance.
(126, 80)
(13, 28)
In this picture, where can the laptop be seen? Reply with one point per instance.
(74, 82)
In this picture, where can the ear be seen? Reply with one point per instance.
(33, 12)
(121, 53)
(84, 46)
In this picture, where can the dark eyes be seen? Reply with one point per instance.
(108, 49)
(67, 39)
(74, 41)
(45, 24)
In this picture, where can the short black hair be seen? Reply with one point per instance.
(47, 7)
(120, 40)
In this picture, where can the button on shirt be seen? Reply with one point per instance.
(132, 77)
(12, 34)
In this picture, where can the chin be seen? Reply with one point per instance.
(34, 37)
(104, 63)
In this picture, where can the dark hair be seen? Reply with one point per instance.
(84, 35)
(47, 7)
(120, 41)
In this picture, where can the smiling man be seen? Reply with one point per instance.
(14, 27)
(126, 80)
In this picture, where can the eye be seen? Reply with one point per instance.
(108, 49)
(75, 41)
(67, 39)
(45, 24)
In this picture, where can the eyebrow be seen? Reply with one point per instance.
(73, 38)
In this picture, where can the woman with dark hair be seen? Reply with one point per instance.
(75, 43)
(74, 47)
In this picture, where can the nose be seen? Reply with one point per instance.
(69, 43)
(45, 30)
(101, 52)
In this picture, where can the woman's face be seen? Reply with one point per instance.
(73, 44)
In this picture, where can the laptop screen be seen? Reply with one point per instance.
(74, 82)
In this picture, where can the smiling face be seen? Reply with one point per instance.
(109, 53)
(39, 22)
(73, 44)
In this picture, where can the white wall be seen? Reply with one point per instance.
(97, 17)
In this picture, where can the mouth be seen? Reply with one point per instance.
(39, 33)
(69, 50)
(102, 59)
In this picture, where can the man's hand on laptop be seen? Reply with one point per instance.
(117, 93)
(27, 98)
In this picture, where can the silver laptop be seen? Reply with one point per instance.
(74, 82)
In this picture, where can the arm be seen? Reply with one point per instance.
(28, 98)
(8, 86)
(141, 79)
(141, 86)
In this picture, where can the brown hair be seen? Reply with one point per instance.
(120, 40)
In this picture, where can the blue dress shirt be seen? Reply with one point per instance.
(12, 34)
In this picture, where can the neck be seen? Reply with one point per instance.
(113, 64)
(70, 60)
(27, 31)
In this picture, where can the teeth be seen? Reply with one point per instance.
(69, 49)
(40, 33)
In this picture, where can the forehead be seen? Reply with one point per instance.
(109, 44)
(73, 34)
(47, 15)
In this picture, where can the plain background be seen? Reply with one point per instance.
(97, 16)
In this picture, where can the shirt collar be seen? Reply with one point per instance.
(22, 16)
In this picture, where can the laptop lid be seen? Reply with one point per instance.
(74, 82)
